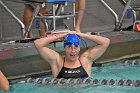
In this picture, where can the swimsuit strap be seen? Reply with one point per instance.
(80, 62)
(64, 61)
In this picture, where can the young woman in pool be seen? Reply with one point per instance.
(73, 64)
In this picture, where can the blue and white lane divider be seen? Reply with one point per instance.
(132, 62)
(126, 62)
(62, 81)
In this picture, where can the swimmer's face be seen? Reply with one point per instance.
(72, 51)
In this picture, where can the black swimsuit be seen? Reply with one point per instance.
(78, 72)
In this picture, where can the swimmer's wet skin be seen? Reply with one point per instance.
(72, 64)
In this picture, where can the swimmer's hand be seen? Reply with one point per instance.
(79, 34)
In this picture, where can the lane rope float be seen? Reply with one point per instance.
(131, 62)
(62, 81)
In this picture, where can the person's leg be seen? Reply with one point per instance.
(80, 8)
(42, 32)
(26, 19)
(28, 12)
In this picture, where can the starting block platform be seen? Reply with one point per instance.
(56, 15)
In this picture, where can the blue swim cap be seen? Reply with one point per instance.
(71, 39)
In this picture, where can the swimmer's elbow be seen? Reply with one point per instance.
(107, 42)
(37, 43)
(6, 88)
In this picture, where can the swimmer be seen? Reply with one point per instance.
(4, 84)
(72, 64)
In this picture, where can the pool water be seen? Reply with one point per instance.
(114, 70)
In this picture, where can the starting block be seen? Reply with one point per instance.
(56, 17)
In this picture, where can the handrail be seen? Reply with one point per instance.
(127, 6)
(112, 12)
(123, 2)
(118, 22)
(15, 17)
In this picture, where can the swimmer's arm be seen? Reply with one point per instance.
(4, 84)
(96, 51)
(42, 42)
(46, 53)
